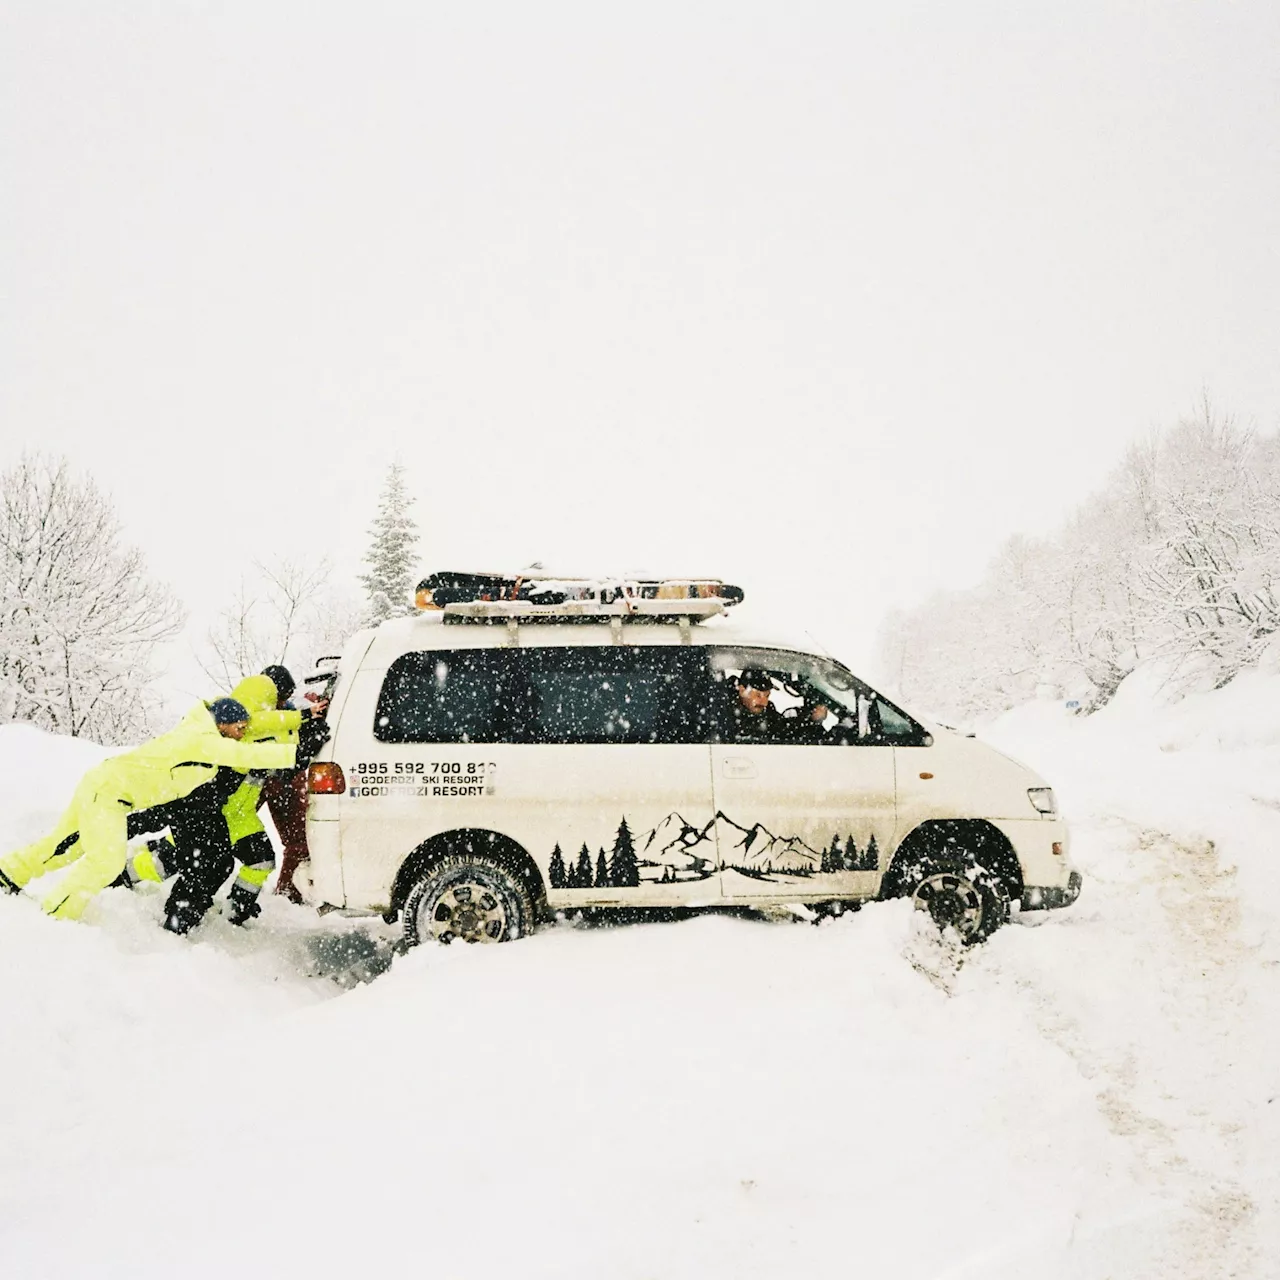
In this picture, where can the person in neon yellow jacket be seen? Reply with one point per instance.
(93, 832)
(265, 697)
(262, 696)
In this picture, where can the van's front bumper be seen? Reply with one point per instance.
(1042, 848)
(1050, 897)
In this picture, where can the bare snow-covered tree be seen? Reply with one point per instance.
(1177, 558)
(390, 582)
(288, 613)
(79, 617)
(240, 641)
(1211, 571)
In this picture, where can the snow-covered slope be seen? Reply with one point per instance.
(716, 1097)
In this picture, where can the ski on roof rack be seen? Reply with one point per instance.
(438, 590)
(625, 609)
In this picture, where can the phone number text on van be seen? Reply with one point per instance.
(417, 778)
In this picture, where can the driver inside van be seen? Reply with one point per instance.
(747, 713)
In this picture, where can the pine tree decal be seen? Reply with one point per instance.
(625, 870)
(852, 858)
(871, 855)
(831, 859)
(391, 559)
(555, 871)
(602, 872)
(582, 872)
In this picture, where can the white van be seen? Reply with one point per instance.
(493, 762)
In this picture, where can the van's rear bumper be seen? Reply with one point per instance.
(1046, 898)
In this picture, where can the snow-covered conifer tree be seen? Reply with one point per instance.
(392, 563)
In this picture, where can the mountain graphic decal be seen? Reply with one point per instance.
(675, 838)
(677, 850)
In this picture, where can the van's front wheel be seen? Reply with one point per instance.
(467, 899)
(969, 900)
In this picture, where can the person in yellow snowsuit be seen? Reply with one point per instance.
(93, 832)
(262, 697)
(250, 844)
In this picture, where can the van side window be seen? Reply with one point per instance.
(450, 695)
(813, 701)
(891, 726)
(615, 693)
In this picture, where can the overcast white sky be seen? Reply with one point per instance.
(801, 295)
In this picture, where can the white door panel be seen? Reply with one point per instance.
(640, 812)
(798, 820)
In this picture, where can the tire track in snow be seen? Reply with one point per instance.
(1202, 906)
(1168, 918)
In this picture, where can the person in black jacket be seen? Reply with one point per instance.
(745, 710)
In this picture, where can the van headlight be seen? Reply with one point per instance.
(1044, 800)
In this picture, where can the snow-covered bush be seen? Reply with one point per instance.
(79, 617)
(1177, 557)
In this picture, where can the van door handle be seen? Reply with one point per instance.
(739, 767)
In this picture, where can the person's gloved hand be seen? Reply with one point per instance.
(311, 737)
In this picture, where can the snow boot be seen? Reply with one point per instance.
(7, 885)
(243, 904)
(182, 913)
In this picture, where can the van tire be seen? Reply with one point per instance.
(467, 898)
(965, 897)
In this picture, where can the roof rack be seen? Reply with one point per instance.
(582, 610)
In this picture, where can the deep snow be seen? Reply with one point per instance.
(1091, 1094)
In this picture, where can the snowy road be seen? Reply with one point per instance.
(1092, 1096)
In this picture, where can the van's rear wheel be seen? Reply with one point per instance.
(467, 899)
(970, 900)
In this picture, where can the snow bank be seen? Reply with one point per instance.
(38, 773)
(717, 1097)
(1243, 713)
(1205, 769)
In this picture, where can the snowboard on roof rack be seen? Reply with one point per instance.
(536, 587)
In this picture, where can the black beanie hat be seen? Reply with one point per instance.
(279, 676)
(227, 711)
